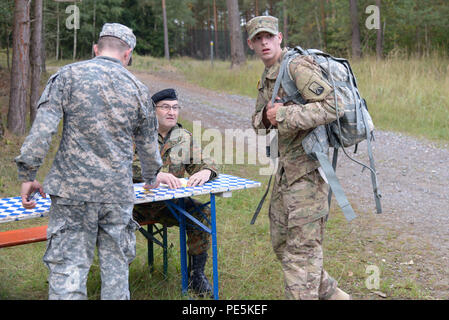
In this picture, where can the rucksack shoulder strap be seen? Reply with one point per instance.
(285, 80)
(301, 50)
(281, 75)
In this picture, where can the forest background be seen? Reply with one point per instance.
(408, 26)
(31, 32)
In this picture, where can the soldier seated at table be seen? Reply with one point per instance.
(180, 154)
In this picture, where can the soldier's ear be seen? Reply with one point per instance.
(281, 37)
(250, 44)
(96, 51)
(127, 57)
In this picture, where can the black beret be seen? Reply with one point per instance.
(166, 94)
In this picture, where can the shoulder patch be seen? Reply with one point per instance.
(316, 88)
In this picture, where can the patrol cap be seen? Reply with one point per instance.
(166, 94)
(119, 31)
(262, 23)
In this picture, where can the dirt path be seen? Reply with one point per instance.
(413, 176)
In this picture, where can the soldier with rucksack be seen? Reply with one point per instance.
(298, 207)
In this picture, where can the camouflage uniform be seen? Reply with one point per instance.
(178, 151)
(299, 198)
(104, 108)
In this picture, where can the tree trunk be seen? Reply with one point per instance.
(36, 58)
(209, 32)
(318, 25)
(57, 31)
(215, 29)
(285, 14)
(226, 32)
(356, 51)
(164, 14)
(235, 33)
(2, 130)
(43, 45)
(271, 5)
(323, 24)
(74, 37)
(7, 51)
(379, 40)
(93, 27)
(20, 68)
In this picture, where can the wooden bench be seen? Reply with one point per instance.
(18, 237)
(22, 236)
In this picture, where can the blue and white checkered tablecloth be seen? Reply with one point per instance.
(11, 208)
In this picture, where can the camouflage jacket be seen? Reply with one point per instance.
(104, 108)
(296, 121)
(180, 154)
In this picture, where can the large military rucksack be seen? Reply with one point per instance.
(355, 126)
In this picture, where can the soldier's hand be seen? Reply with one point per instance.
(199, 178)
(169, 179)
(271, 111)
(27, 189)
(151, 186)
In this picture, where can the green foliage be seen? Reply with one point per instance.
(410, 26)
(6, 14)
(87, 35)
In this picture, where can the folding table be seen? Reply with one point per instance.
(11, 210)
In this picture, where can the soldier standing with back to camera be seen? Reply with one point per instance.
(298, 207)
(104, 108)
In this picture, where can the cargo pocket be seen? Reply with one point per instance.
(58, 225)
(128, 240)
(54, 253)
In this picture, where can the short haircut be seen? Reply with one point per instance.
(112, 43)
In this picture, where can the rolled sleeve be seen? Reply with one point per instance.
(307, 116)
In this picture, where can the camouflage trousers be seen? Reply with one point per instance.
(297, 219)
(75, 229)
(198, 241)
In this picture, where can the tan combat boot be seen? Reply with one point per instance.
(340, 295)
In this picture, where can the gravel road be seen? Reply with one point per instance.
(413, 173)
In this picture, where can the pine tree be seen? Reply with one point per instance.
(20, 68)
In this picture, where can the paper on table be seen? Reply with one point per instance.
(183, 183)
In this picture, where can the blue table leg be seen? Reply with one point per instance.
(214, 244)
(182, 217)
(182, 243)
